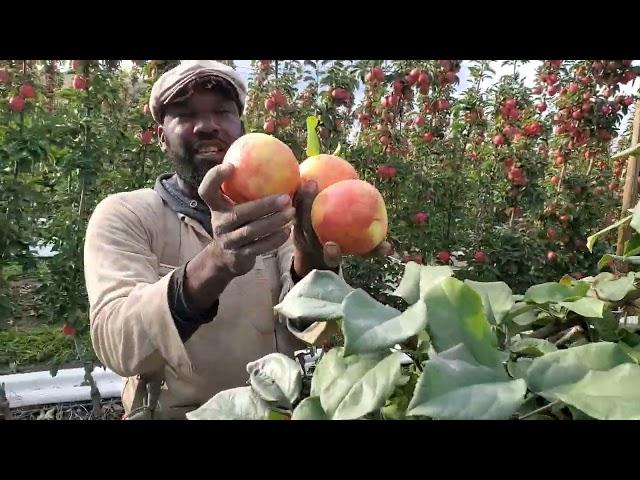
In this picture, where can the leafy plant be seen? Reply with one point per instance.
(458, 350)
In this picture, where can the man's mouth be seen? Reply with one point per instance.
(211, 151)
(206, 150)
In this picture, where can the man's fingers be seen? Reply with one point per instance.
(303, 201)
(209, 189)
(267, 244)
(332, 254)
(259, 228)
(384, 249)
(251, 211)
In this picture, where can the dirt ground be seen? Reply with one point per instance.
(25, 315)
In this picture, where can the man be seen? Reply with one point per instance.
(181, 282)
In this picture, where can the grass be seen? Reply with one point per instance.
(45, 344)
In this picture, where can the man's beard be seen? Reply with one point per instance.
(188, 169)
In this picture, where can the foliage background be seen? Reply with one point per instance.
(85, 132)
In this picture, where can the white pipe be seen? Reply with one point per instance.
(40, 388)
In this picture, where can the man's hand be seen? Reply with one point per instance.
(242, 232)
(310, 254)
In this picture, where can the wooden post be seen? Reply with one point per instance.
(631, 184)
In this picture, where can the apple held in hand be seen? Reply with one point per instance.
(352, 214)
(326, 170)
(263, 166)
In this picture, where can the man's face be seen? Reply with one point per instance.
(198, 131)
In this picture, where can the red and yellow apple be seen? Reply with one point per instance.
(264, 166)
(352, 214)
(326, 170)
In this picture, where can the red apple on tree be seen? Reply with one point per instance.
(480, 257)
(444, 256)
(26, 90)
(79, 82)
(420, 217)
(16, 103)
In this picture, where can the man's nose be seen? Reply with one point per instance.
(206, 124)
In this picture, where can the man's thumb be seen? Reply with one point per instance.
(209, 189)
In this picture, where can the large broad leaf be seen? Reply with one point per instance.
(452, 389)
(606, 395)
(313, 142)
(276, 378)
(518, 369)
(523, 314)
(318, 296)
(309, 409)
(607, 327)
(351, 387)
(569, 366)
(409, 286)
(369, 325)
(455, 314)
(430, 276)
(236, 404)
(611, 289)
(555, 292)
(535, 347)
(497, 299)
(587, 307)
(633, 352)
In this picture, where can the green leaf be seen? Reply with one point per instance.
(409, 286)
(578, 414)
(276, 415)
(569, 366)
(611, 289)
(633, 352)
(431, 276)
(591, 241)
(309, 409)
(313, 142)
(497, 299)
(606, 395)
(632, 246)
(518, 369)
(276, 378)
(587, 307)
(535, 347)
(350, 387)
(455, 315)
(318, 296)
(523, 314)
(607, 327)
(396, 408)
(555, 292)
(368, 325)
(236, 404)
(451, 389)
(337, 150)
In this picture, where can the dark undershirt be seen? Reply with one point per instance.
(187, 318)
